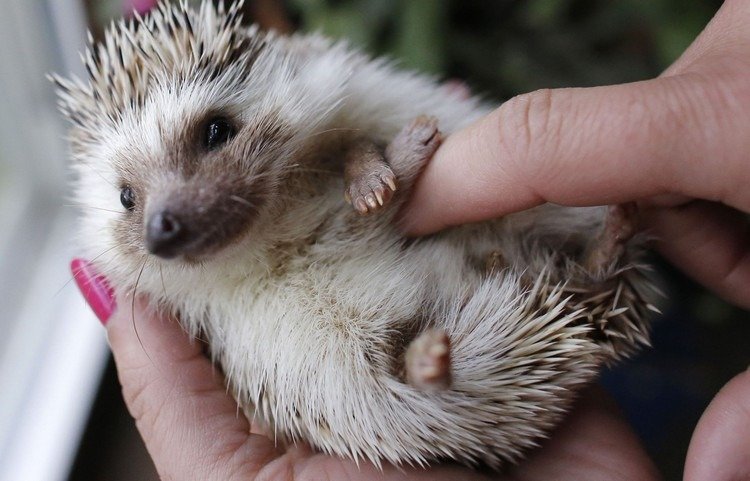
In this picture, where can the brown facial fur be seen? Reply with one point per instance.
(216, 194)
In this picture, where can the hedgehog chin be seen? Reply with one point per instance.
(196, 252)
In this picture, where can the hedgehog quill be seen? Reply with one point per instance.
(249, 184)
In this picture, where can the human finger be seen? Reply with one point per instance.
(603, 145)
(191, 426)
(593, 443)
(709, 242)
(683, 133)
(720, 447)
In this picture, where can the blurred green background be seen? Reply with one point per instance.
(502, 48)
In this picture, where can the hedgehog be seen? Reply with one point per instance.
(249, 183)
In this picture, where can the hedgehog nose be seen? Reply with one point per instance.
(165, 235)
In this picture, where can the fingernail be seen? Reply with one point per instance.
(95, 289)
(140, 6)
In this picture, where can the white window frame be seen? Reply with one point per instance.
(52, 349)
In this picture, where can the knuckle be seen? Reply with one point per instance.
(136, 392)
(528, 126)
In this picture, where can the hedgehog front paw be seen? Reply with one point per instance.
(369, 180)
(413, 147)
(418, 140)
(427, 361)
(372, 189)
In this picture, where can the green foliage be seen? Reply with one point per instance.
(505, 47)
(411, 31)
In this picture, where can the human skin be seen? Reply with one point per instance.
(676, 144)
(194, 430)
(140, 6)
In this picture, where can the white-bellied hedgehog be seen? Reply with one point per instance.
(249, 183)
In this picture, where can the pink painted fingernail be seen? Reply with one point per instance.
(140, 6)
(95, 289)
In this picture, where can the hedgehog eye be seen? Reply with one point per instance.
(127, 197)
(218, 132)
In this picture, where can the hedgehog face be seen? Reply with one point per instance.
(192, 121)
(200, 189)
(188, 172)
(197, 216)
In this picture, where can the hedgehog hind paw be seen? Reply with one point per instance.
(427, 361)
(609, 247)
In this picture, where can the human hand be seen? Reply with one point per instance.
(678, 145)
(194, 430)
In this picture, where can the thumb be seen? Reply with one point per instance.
(683, 133)
(588, 146)
(192, 428)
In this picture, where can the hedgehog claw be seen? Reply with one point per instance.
(371, 190)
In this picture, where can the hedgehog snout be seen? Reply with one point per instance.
(195, 219)
(166, 234)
